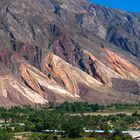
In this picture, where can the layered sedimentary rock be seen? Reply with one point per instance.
(44, 86)
(97, 69)
(122, 66)
(68, 74)
(64, 82)
(67, 50)
(14, 92)
(81, 85)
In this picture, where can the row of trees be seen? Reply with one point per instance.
(79, 107)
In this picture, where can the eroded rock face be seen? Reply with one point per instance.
(97, 69)
(16, 93)
(69, 74)
(91, 95)
(5, 58)
(78, 83)
(126, 85)
(92, 22)
(63, 51)
(122, 66)
(125, 41)
(42, 84)
(67, 49)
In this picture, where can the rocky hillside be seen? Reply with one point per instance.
(67, 50)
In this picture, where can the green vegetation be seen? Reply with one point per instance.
(61, 118)
(4, 135)
(83, 107)
(77, 107)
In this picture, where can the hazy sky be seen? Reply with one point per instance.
(129, 5)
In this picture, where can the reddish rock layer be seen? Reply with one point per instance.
(42, 84)
(16, 93)
(69, 74)
(99, 70)
(122, 66)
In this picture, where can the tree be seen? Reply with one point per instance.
(73, 127)
(4, 135)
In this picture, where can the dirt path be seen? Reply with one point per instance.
(105, 113)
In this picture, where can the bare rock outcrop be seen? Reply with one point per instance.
(97, 69)
(69, 74)
(41, 84)
(67, 50)
(124, 85)
(122, 66)
(14, 92)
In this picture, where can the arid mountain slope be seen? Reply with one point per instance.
(67, 50)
